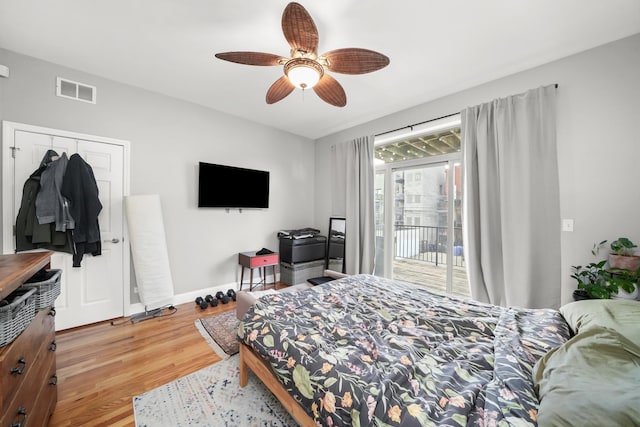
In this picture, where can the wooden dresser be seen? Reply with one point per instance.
(28, 391)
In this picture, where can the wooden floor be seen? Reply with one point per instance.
(101, 367)
(431, 276)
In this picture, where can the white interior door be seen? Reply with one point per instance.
(95, 291)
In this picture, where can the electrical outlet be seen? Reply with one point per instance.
(135, 289)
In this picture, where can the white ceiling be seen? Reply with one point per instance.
(436, 47)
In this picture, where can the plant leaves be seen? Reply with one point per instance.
(302, 381)
(328, 357)
(329, 382)
(460, 419)
(464, 374)
(268, 341)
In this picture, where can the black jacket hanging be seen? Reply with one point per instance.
(80, 188)
(29, 233)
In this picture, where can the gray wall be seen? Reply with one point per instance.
(598, 144)
(598, 153)
(168, 138)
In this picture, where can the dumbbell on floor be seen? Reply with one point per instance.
(211, 300)
(201, 303)
(232, 294)
(222, 297)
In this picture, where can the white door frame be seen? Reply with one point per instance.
(8, 187)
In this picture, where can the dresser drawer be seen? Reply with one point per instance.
(20, 357)
(25, 404)
(264, 260)
(48, 398)
(45, 403)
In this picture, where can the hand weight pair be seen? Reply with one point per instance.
(204, 303)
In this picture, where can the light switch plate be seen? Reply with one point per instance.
(567, 225)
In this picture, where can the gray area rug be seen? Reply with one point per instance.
(211, 397)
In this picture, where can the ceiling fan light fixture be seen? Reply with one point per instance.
(305, 69)
(303, 73)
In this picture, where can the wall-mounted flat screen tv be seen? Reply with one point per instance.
(221, 186)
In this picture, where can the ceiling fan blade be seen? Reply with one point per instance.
(251, 58)
(355, 61)
(279, 90)
(299, 29)
(330, 91)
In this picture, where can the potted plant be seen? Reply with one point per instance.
(622, 254)
(592, 283)
(626, 282)
(595, 281)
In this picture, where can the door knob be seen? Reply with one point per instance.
(114, 240)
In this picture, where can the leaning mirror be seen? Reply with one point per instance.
(335, 246)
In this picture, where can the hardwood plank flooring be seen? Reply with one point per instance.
(101, 367)
(431, 276)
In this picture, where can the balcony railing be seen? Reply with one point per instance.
(425, 243)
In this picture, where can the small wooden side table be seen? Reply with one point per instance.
(251, 260)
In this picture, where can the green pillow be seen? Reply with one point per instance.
(622, 316)
(590, 380)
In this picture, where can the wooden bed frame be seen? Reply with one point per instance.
(251, 360)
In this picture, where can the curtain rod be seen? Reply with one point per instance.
(426, 121)
(416, 124)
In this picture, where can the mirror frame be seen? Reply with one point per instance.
(342, 230)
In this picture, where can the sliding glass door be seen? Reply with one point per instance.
(419, 215)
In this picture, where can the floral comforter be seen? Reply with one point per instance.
(365, 350)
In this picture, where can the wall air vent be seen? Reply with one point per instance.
(74, 90)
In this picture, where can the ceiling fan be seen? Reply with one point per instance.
(305, 68)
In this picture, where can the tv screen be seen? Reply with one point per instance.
(222, 186)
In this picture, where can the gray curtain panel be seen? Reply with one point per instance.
(352, 197)
(511, 202)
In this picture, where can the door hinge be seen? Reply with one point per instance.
(13, 151)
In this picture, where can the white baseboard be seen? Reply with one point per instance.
(187, 297)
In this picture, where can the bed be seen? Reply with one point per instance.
(365, 350)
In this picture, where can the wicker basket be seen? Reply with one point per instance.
(16, 316)
(47, 283)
